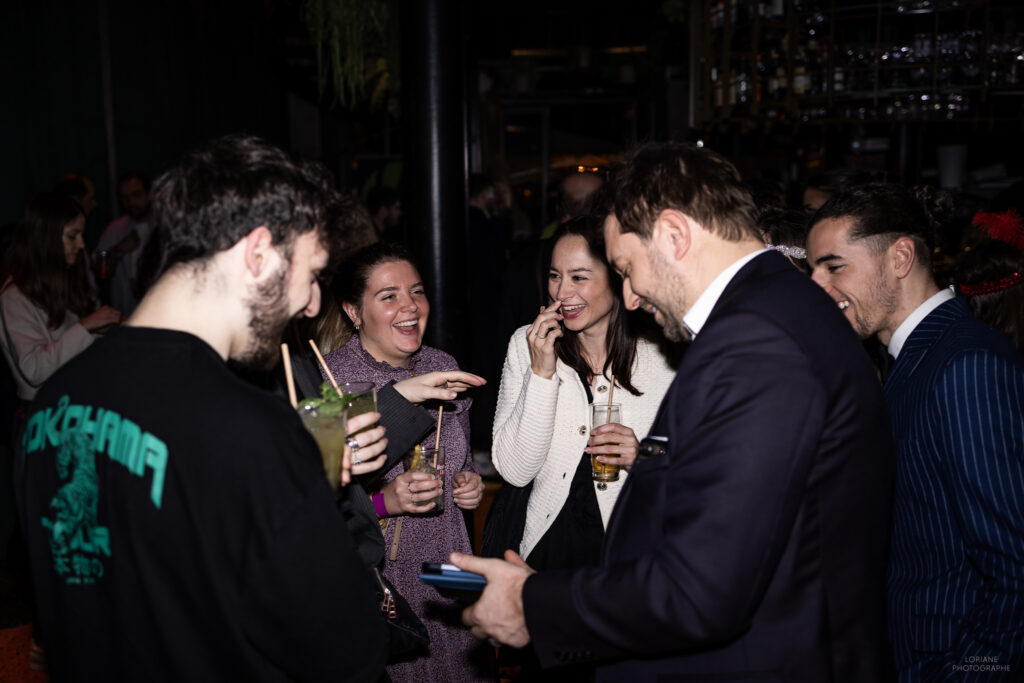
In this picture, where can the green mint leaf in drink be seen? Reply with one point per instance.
(330, 404)
(310, 403)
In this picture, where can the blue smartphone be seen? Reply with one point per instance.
(450, 577)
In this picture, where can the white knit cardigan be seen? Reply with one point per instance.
(541, 427)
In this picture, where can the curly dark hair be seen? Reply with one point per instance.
(224, 189)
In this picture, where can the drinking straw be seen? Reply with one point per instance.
(437, 439)
(611, 390)
(323, 365)
(288, 375)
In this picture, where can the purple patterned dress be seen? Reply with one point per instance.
(454, 652)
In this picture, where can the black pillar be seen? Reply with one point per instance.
(434, 153)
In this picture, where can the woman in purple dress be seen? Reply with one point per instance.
(382, 293)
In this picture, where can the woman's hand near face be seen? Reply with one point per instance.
(406, 493)
(469, 490)
(614, 444)
(541, 336)
(441, 385)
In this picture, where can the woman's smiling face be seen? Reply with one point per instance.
(392, 316)
(580, 282)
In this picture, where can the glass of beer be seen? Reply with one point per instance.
(602, 414)
(430, 460)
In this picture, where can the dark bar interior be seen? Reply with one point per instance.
(471, 137)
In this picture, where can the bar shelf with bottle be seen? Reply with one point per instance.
(811, 60)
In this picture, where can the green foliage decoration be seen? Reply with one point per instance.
(356, 50)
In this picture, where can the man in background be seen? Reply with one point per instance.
(119, 250)
(385, 208)
(574, 193)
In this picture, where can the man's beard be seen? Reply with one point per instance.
(268, 319)
(673, 328)
(670, 298)
(868, 320)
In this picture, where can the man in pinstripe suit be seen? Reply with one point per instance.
(956, 401)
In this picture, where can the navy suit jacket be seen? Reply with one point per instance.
(756, 547)
(956, 584)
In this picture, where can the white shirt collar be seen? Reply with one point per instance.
(698, 314)
(899, 337)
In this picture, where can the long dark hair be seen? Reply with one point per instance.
(620, 340)
(38, 265)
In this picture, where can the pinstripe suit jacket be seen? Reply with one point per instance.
(956, 579)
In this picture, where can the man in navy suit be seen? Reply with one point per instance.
(754, 548)
(956, 401)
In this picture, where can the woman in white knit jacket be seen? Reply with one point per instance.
(46, 293)
(541, 426)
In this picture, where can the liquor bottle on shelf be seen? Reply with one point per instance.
(970, 69)
(781, 78)
(743, 86)
(771, 76)
(763, 78)
(801, 79)
(817, 79)
(717, 14)
(738, 12)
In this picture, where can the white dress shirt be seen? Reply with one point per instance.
(899, 337)
(698, 314)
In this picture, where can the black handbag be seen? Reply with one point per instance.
(407, 636)
(506, 520)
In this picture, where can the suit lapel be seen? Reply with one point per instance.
(762, 266)
(935, 325)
